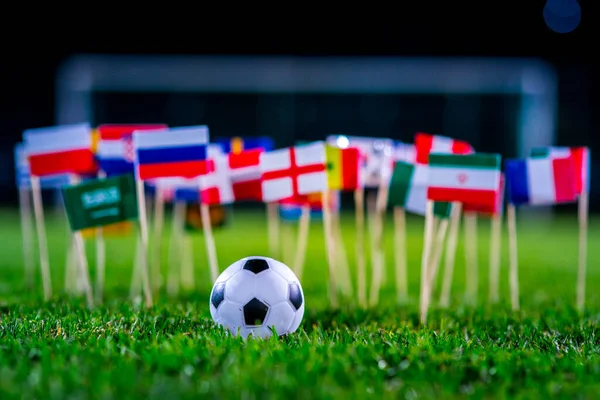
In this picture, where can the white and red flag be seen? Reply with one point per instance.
(293, 172)
(59, 150)
(426, 144)
(244, 170)
(216, 186)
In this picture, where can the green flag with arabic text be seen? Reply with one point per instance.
(101, 202)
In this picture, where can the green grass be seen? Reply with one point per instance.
(60, 350)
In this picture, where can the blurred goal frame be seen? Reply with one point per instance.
(534, 80)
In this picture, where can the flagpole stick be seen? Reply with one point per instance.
(136, 285)
(209, 239)
(175, 249)
(83, 272)
(438, 249)
(302, 243)
(428, 237)
(400, 255)
(27, 235)
(79, 284)
(514, 262)
(100, 256)
(187, 263)
(495, 243)
(72, 280)
(273, 228)
(472, 278)
(342, 259)
(159, 215)
(143, 266)
(330, 249)
(83, 267)
(450, 256)
(361, 268)
(70, 272)
(583, 238)
(378, 267)
(38, 211)
(371, 211)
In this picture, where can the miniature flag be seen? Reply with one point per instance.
(540, 181)
(115, 152)
(238, 144)
(193, 217)
(408, 189)
(581, 161)
(244, 171)
(101, 202)
(377, 157)
(169, 153)
(216, 186)
(405, 152)
(425, 144)
(23, 177)
(343, 168)
(472, 179)
(293, 171)
(60, 150)
(488, 209)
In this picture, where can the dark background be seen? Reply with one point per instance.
(35, 45)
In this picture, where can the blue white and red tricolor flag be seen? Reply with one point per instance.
(115, 152)
(581, 163)
(63, 149)
(175, 152)
(238, 144)
(540, 181)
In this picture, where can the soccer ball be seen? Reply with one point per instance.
(254, 295)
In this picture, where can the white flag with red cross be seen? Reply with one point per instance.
(236, 177)
(216, 186)
(293, 171)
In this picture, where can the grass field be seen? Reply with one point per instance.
(60, 350)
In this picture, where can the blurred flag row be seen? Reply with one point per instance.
(187, 166)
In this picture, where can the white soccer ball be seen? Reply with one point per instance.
(255, 295)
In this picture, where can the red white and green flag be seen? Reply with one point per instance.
(408, 189)
(426, 144)
(469, 179)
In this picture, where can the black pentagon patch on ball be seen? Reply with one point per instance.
(255, 312)
(256, 265)
(295, 296)
(218, 294)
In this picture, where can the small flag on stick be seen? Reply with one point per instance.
(472, 179)
(426, 144)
